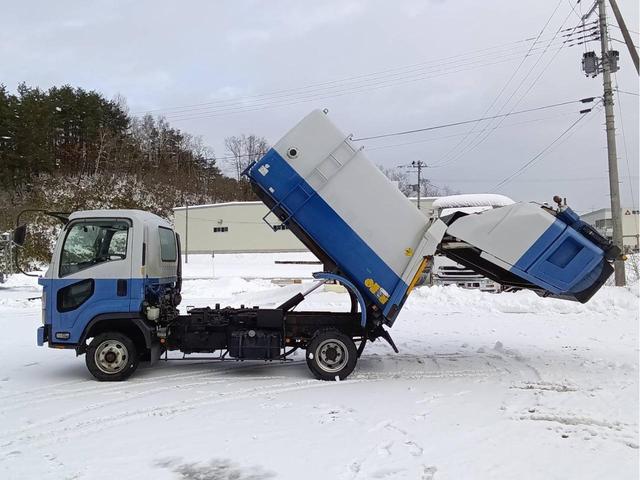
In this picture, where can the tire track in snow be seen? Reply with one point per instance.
(126, 398)
(58, 433)
(106, 388)
(62, 433)
(570, 424)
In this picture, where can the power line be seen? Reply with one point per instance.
(350, 89)
(504, 87)
(390, 75)
(502, 90)
(616, 26)
(472, 54)
(432, 139)
(289, 90)
(479, 139)
(285, 103)
(527, 180)
(574, 10)
(541, 153)
(377, 147)
(627, 93)
(339, 82)
(347, 89)
(464, 122)
(374, 84)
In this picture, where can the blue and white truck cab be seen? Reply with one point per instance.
(113, 286)
(102, 277)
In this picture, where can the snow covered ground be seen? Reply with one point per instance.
(485, 386)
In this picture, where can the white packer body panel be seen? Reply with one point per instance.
(347, 206)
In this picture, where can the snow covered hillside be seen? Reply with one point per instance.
(485, 386)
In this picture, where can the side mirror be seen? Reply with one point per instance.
(19, 235)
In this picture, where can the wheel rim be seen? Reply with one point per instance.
(111, 357)
(332, 355)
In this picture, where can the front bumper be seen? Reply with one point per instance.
(43, 335)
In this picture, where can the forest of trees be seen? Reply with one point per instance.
(72, 132)
(67, 148)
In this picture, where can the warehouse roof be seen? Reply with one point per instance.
(213, 205)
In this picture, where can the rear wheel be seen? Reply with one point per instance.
(331, 355)
(112, 357)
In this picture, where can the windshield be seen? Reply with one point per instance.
(93, 242)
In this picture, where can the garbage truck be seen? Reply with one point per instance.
(112, 289)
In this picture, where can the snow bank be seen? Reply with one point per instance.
(452, 298)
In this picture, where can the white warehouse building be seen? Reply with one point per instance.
(237, 227)
(601, 220)
(231, 227)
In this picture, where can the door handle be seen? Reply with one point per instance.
(121, 288)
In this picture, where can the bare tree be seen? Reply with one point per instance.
(245, 150)
(106, 141)
(399, 177)
(408, 186)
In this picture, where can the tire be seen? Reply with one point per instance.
(331, 355)
(112, 357)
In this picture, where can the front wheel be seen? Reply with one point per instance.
(331, 355)
(112, 357)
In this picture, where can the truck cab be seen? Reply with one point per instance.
(110, 271)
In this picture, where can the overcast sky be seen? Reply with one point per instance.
(222, 68)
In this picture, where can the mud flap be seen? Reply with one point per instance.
(380, 332)
(155, 352)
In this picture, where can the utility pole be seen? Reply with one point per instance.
(186, 233)
(614, 183)
(419, 165)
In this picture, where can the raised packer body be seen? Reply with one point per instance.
(316, 178)
(320, 185)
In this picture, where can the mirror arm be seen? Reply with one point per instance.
(60, 216)
(16, 262)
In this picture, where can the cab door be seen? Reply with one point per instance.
(92, 275)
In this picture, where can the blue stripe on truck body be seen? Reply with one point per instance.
(104, 300)
(324, 226)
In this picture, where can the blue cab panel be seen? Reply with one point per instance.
(568, 261)
(562, 261)
(102, 300)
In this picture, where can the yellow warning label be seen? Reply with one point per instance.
(381, 294)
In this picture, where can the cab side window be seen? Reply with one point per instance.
(90, 243)
(168, 250)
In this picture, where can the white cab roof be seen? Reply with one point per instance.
(135, 215)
